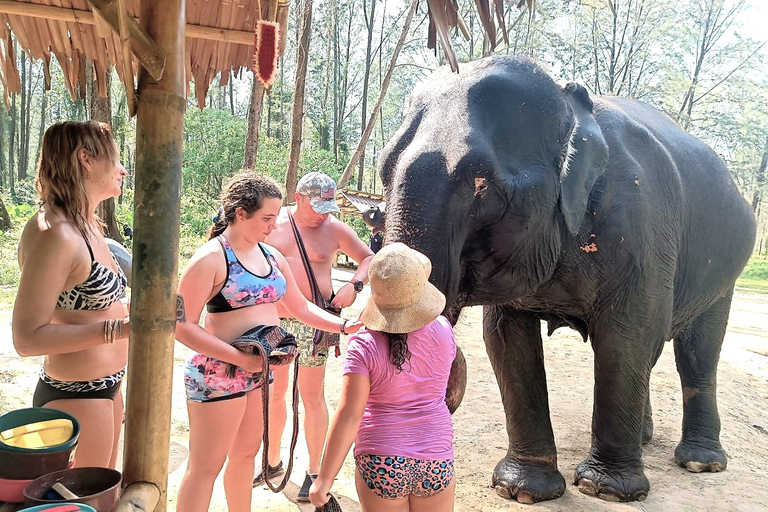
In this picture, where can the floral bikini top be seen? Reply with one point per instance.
(242, 287)
(103, 288)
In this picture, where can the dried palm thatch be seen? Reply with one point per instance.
(219, 40)
(444, 16)
(219, 37)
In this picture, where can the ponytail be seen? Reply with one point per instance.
(398, 349)
(219, 224)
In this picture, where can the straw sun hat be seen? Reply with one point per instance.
(402, 299)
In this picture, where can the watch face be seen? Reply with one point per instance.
(357, 284)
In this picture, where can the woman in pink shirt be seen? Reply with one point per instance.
(393, 394)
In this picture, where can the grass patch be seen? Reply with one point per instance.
(755, 275)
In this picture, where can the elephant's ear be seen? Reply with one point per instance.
(584, 158)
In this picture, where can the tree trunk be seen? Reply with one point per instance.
(231, 94)
(5, 219)
(43, 114)
(291, 175)
(382, 94)
(22, 165)
(3, 161)
(366, 81)
(341, 96)
(28, 121)
(760, 179)
(325, 140)
(12, 145)
(101, 110)
(254, 120)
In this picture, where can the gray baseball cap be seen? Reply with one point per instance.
(321, 190)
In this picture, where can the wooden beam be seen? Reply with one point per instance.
(146, 50)
(86, 18)
(159, 140)
(130, 92)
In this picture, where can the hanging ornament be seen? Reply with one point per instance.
(266, 51)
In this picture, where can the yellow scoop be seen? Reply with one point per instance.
(42, 434)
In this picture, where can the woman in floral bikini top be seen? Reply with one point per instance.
(239, 291)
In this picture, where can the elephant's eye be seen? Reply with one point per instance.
(480, 186)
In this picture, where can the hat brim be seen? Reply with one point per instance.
(320, 205)
(408, 319)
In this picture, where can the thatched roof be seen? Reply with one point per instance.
(356, 202)
(219, 38)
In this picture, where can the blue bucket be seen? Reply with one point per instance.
(61, 507)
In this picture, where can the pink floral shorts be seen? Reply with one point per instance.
(206, 380)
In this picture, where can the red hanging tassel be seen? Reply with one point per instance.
(266, 50)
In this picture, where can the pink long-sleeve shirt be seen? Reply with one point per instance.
(406, 414)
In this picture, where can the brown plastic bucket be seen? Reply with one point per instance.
(30, 465)
(97, 487)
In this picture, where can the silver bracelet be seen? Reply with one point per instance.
(343, 325)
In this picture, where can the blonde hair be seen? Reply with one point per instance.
(60, 179)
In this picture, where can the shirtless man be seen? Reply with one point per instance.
(322, 235)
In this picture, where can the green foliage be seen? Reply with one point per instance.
(359, 227)
(9, 246)
(272, 158)
(213, 150)
(24, 193)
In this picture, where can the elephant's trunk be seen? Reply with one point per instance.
(433, 239)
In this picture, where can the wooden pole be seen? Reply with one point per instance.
(139, 497)
(86, 18)
(159, 129)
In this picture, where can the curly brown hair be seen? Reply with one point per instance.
(398, 349)
(246, 190)
(60, 180)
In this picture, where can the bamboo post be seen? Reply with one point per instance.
(139, 497)
(159, 123)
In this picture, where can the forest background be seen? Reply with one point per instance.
(703, 62)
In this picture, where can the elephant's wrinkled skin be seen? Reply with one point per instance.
(598, 213)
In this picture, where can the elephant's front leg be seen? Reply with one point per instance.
(529, 471)
(614, 469)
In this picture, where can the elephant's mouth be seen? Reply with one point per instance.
(453, 310)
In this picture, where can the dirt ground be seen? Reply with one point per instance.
(479, 424)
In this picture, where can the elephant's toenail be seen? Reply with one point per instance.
(587, 487)
(608, 497)
(526, 498)
(503, 492)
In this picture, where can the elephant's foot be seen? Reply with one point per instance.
(701, 456)
(528, 482)
(611, 484)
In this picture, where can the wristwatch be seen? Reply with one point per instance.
(358, 284)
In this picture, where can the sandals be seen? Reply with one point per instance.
(272, 472)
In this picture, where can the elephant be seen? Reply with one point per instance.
(543, 202)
